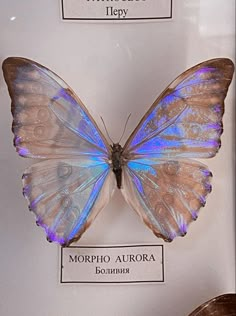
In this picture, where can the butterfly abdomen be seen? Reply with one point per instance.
(116, 158)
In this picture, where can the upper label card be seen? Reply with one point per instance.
(118, 10)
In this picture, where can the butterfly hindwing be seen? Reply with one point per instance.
(167, 194)
(66, 195)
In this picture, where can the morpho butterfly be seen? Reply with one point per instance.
(79, 169)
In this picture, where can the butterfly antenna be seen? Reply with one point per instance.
(106, 130)
(124, 128)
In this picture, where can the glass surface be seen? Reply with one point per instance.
(116, 70)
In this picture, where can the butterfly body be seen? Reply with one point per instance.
(117, 163)
(155, 169)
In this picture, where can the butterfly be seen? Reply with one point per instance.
(80, 169)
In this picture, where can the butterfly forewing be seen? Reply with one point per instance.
(184, 122)
(67, 191)
(49, 120)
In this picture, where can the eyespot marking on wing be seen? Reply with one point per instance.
(64, 171)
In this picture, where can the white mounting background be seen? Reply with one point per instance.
(116, 69)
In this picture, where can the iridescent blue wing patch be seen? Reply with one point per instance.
(50, 122)
(184, 122)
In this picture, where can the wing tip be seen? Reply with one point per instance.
(13, 59)
(222, 61)
(6, 62)
(10, 61)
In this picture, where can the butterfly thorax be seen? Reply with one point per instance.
(117, 162)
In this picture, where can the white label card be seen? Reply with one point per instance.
(120, 10)
(112, 264)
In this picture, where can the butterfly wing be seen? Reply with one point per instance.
(167, 194)
(67, 194)
(186, 120)
(49, 121)
(166, 189)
